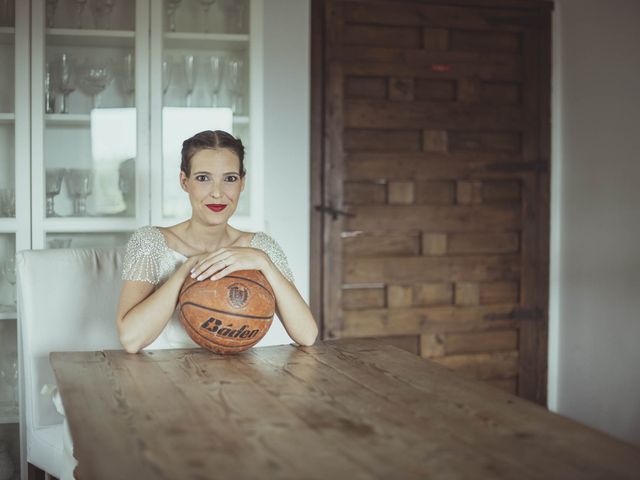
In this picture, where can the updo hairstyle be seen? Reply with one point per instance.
(212, 140)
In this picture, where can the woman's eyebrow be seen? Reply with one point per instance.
(209, 173)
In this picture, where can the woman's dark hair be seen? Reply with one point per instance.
(212, 140)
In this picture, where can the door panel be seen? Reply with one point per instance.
(435, 155)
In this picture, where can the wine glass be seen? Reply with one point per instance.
(80, 186)
(127, 79)
(49, 96)
(9, 273)
(51, 12)
(79, 8)
(54, 178)
(215, 78)
(190, 75)
(171, 7)
(93, 78)
(235, 16)
(8, 202)
(166, 76)
(206, 6)
(101, 11)
(127, 185)
(235, 72)
(64, 78)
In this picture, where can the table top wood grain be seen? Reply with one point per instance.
(349, 409)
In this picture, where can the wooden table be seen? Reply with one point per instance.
(340, 410)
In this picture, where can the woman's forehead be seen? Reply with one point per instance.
(215, 160)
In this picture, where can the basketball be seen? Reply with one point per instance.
(228, 315)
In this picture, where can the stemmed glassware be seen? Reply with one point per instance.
(166, 76)
(190, 75)
(171, 7)
(101, 10)
(235, 72)
(49, 95)
(54, 178)
(64, 79)
(127, 79)
(9, 273)
(206, 6)
(51, 6)
(93, 78)
(79, 8)
(80, 186)
(215, 78)
(8, 202)
(235, 13)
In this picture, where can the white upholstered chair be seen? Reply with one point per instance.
(67, 301)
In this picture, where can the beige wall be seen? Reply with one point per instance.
(594, 364)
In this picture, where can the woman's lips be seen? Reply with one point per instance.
(216, 207)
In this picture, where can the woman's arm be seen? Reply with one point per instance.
(143, 313)
(291, 307)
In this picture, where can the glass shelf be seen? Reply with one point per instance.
(206, 41)
(7, 35)
(8, 225)
(68, 118)
(8, 312)
(89, 38)
(7, 118)
(89, 224)
(8, 414)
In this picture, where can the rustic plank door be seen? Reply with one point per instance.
(431, 180)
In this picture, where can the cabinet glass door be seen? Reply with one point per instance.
(200, 70)
(89, 73)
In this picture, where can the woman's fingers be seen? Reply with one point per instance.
(207, 262)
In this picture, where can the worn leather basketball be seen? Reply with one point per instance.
(228, 315)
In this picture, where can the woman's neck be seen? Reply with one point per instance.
(206, 238)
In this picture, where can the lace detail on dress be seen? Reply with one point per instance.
(268, 245)
(146, 258)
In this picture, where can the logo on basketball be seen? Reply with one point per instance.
(238, 295)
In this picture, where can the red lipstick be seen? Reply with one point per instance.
(216, 207)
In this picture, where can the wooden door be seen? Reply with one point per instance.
(431, 180)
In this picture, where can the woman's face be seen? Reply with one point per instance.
(214, 185)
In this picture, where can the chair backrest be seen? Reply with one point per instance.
(67, 301)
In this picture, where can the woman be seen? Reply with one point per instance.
(205, 247)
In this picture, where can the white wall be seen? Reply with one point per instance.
(287, 37)
(594, 365)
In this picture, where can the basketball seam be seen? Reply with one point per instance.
(242, 315)
(234, 276)
(244, 346)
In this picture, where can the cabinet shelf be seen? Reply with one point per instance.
(67, 118)
(8, 414)
(89, 224)
(89, 38)
(84, 119)
(8, 312)
(7, 118)
(7, 35)
(206, 41)
(8, 225)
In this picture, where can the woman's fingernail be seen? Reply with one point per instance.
(201, 277)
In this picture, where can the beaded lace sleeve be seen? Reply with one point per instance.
(145, 257)
(268, 245)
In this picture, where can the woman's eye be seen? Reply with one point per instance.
(232, 178)
(201, 178)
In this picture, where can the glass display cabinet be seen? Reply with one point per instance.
(96, 97)
(15, 226)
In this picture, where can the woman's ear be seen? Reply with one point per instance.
(183, 181)
(242, 183)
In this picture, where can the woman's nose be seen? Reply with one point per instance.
(216, 191)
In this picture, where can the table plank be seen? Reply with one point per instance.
(356, 409)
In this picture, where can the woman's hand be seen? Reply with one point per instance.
(227, 260)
